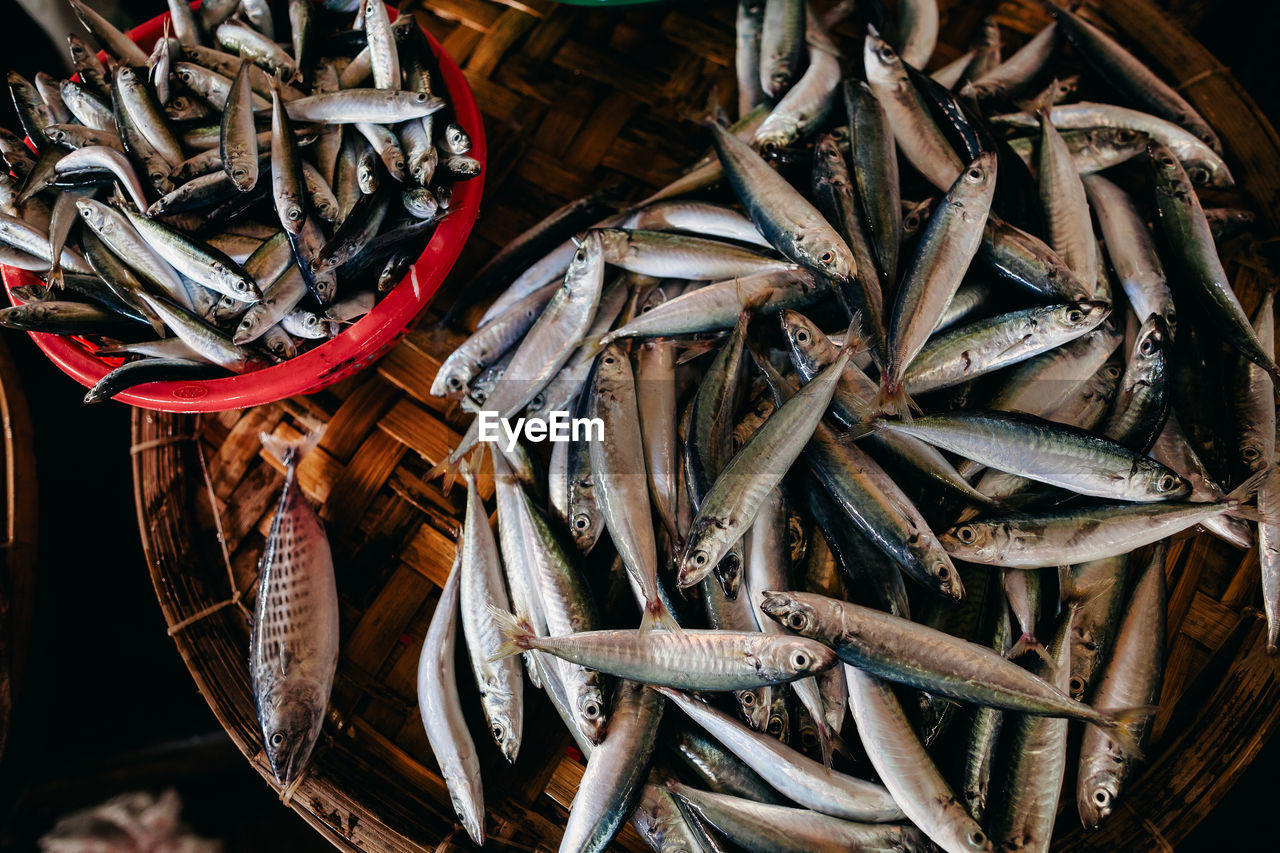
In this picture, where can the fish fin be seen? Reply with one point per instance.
(1243, 492)
(446, 468)
(287, 451)
(893, 399)
(695, 349)
(1116, 722)
(874, 423)
(855, 340)
(838, 744)
(824, 742)
(1029, 643)
(516, 636)
(656, 616)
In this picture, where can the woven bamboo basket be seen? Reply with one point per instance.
(575, 99)
(19, 513)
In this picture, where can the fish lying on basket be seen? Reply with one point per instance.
(877, 409)
(225, 202)
(293, 654)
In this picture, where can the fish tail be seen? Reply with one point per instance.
(893, 399)
(1117, 722)
(517, 636)
(448, 468)
(289, 450)
(657, 616)
(1244, 492)
(1029, 643)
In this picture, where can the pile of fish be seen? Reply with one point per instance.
(897, 419)
(235, 197)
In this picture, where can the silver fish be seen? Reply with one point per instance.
(293, 653)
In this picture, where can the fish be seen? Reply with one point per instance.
(482, 589)
(293, 652)
(442, 713)
(1042, 450)
(910, 775)
(918, 135)
(788, 221)
(757, 826)
(686, 659)
(1077, 535)
(1133, 675)
(947, 246)
(790, 773)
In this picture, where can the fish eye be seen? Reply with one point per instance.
(699, 558)
(967, 534)
(796, 621)
(748, 699)
(277, 739)
(1075, 315)
(1076, 685)
(591, 710)
(887, 54)
(827, 257)
(1113, 371)
(1168, 481)
(775, 726)
(242, 286)
(609, 360)
(1249, 453)
(802, 336)
(581, 522)
(295, 214)
(1147, 346)
(943, 572)
(1101, 797)
(498, 732)
(808, 738)
(1198, 174)
(454, 382)
(800, 660)
(580, 257)
(978, 838)
(768, 147)
(975, 174)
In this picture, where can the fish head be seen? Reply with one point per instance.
(939, 567)
(810, 348)
(881, 61)
(755, 705)
(503, 723)
(1150, 347)
(456, 139)
(1083, 314)
(974, 542)
(241, 284)
(777, 134)
(831, 257)
(795, 610)
(93, 213)
(291, 718)
(592, 709)
(1096, 792)
(1168, 486)
(1168, 175)
(779, 722)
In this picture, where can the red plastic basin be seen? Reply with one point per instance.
(359, 345)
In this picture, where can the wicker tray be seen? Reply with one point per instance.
(574, 99)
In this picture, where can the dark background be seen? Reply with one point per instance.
(108, 707)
